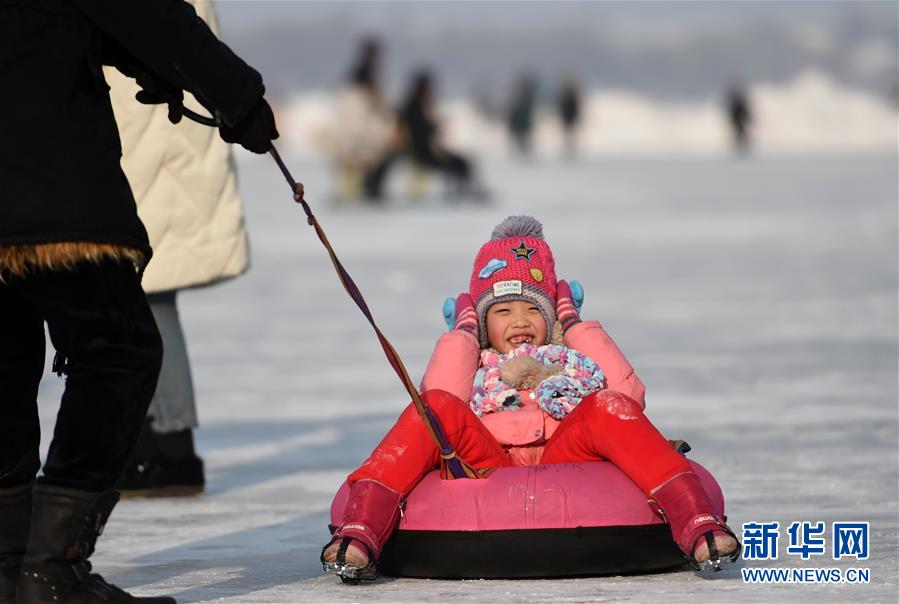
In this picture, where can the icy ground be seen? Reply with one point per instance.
(757, 300)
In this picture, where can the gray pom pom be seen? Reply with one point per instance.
(518, 226)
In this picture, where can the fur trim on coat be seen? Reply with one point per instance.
(19, 260)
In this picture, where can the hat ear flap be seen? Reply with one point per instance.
(558, 335)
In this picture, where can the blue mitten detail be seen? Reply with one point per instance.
(449, 312)
(577, 294)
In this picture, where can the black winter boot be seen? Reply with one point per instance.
(64, 529)
(15, 518)
(164, 464)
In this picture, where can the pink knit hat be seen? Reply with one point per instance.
(516, 264)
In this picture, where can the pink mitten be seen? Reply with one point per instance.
(466, 318)
(566, 311)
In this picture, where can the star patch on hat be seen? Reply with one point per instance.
(522, 252)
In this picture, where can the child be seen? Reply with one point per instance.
(521, 380)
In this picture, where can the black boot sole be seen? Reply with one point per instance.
(166, 491)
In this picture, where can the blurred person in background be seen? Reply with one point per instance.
(739, 115)
(421, 139)
(520, 116)
(184, 185)
(365, 130)
(568, 104)
(72, 251)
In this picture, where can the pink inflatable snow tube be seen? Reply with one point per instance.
(588, 518)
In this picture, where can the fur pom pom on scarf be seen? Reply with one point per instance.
(560, 377)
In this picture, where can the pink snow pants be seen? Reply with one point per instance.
(607, 425)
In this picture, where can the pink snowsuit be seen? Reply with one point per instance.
(608, 424)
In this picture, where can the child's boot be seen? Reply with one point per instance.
(702, 535)
(370, 515)
(15, 518)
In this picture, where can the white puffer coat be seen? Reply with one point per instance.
(184, 183)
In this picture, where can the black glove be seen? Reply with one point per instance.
(255, 132)
(155, 91)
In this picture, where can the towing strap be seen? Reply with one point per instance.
(451, 465)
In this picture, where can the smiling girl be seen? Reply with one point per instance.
(521, 380)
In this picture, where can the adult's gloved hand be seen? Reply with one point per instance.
(568, 304)
(256, 131)
(155, 90)
(460, 314)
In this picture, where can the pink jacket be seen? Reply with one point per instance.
(524, 432)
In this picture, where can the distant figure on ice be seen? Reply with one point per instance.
(421, 141)
(171, 169)
(365, 126)
(739, 113)
(520, 118)
(569, 107)
(494, 378)
(72, 252)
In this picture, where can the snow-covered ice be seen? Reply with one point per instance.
(757, 300)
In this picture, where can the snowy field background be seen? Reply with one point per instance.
(809, 113)
(756, 298)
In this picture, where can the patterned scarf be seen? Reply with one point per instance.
(561, 378)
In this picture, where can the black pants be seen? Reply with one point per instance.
(109, 349)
